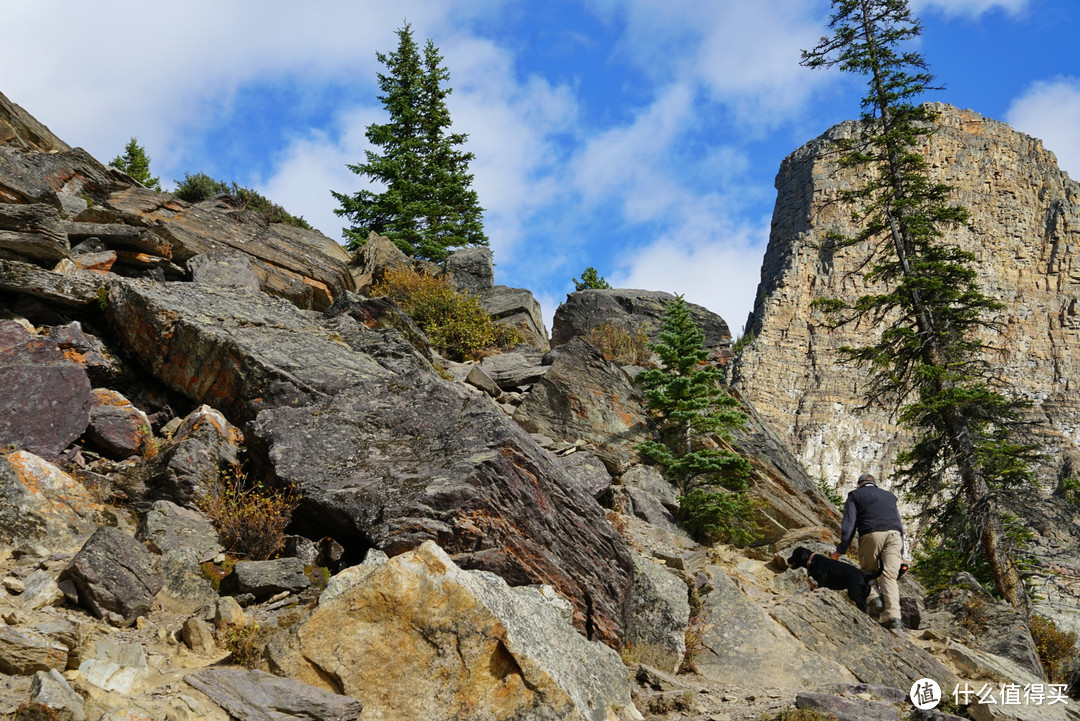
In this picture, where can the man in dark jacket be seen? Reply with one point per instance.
(872, 512)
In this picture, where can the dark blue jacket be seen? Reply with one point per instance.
(868, 509)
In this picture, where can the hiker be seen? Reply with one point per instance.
(873, 513)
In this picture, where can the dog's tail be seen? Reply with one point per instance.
(880, 570)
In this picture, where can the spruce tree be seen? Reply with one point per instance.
(591, 280)
(136, 163)
(928, 364)
(427, 205)
(694, 413)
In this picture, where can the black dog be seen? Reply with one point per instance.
(835, 575)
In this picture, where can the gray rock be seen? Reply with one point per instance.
(114, 575)
(830, 625)
(263, 579)
(117, 428)
(517, 308)
(583, 396)
(45, 177)
(45, 398)
(39, 591)
(588, 471)
(648, 508)
(301, 548)
(64, 290)
(114, 666)
(25, 652)
(384, 317)
(479, 379)
(51, 689)
(225, 268)
(846, 709)
(378, 255)
(33, 231)
(658, 616)
(471, 270)
(633, 310)
(252, 695)
(741, 641)
(650, 480)
(982, 623)
(520, 367)
(381, 458)
(198, 635)
(22, 131)
(170, 527)
(204, 446)
(102, 365)
(352, 576)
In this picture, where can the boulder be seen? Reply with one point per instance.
(846, 709)
(584, 396)
(303, 266)
(658, 616)
(520, 367)
(113, 665)
(381, 458)
(971, 615)
(169, 527)
(40, 590)
(471, 270)
(379, 314)
(378, 255)
(422, 638)
(517, 308)
(34, 232)
(114, 576)
(252, 695)
(45, 398)
(102, 365)
(118, 428)
(19, 129)
(225, 268)
(263, 579)
(830, 625)
(588, 471)
(39, 503)
(63, 179)
(51, 690)
(636, 311)
(740, 641)
(64, 290)
(25, 652)
(202, 447)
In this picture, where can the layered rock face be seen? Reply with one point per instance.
(1024, 230)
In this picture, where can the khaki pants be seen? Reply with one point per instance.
(883, 545)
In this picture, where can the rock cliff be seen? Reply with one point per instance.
(1025, 232)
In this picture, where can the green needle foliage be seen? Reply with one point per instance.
(928, 365)
(591, 280)
(427, 205)
(694, 414)
(136, 163)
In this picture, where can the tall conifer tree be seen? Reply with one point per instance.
(428, 205)
(928, 362)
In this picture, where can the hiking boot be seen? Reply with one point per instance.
(875, 606)
(891, 624)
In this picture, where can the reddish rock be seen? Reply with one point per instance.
(117, 427)
(44, 396)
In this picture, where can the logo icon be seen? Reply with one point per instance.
(925, 694)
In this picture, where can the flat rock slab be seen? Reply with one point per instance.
(258, 696)
(263, 579)
(45, 397)
(23, 652)
(115, 577)
(847, 709)
(743, 642)
(830, 625)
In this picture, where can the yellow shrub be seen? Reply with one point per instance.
(250, 519)
(618, 344)
(455, 323)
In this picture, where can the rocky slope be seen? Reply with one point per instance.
(472, 540)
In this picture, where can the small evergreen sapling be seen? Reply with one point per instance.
(694, 414)
(591, 280)
(136, 163)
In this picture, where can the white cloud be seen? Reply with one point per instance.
(710, 259)
(970, 8)
(104, 72)
(1050, 111)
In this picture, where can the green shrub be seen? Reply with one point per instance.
(250, 519)
(831, 495)
(1056, 648)
(1070, 490)
(591, 280)
(455, 323)
(200, 186)
(718, 515)
(618, 344)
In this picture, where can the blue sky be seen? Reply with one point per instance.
(641, 137)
